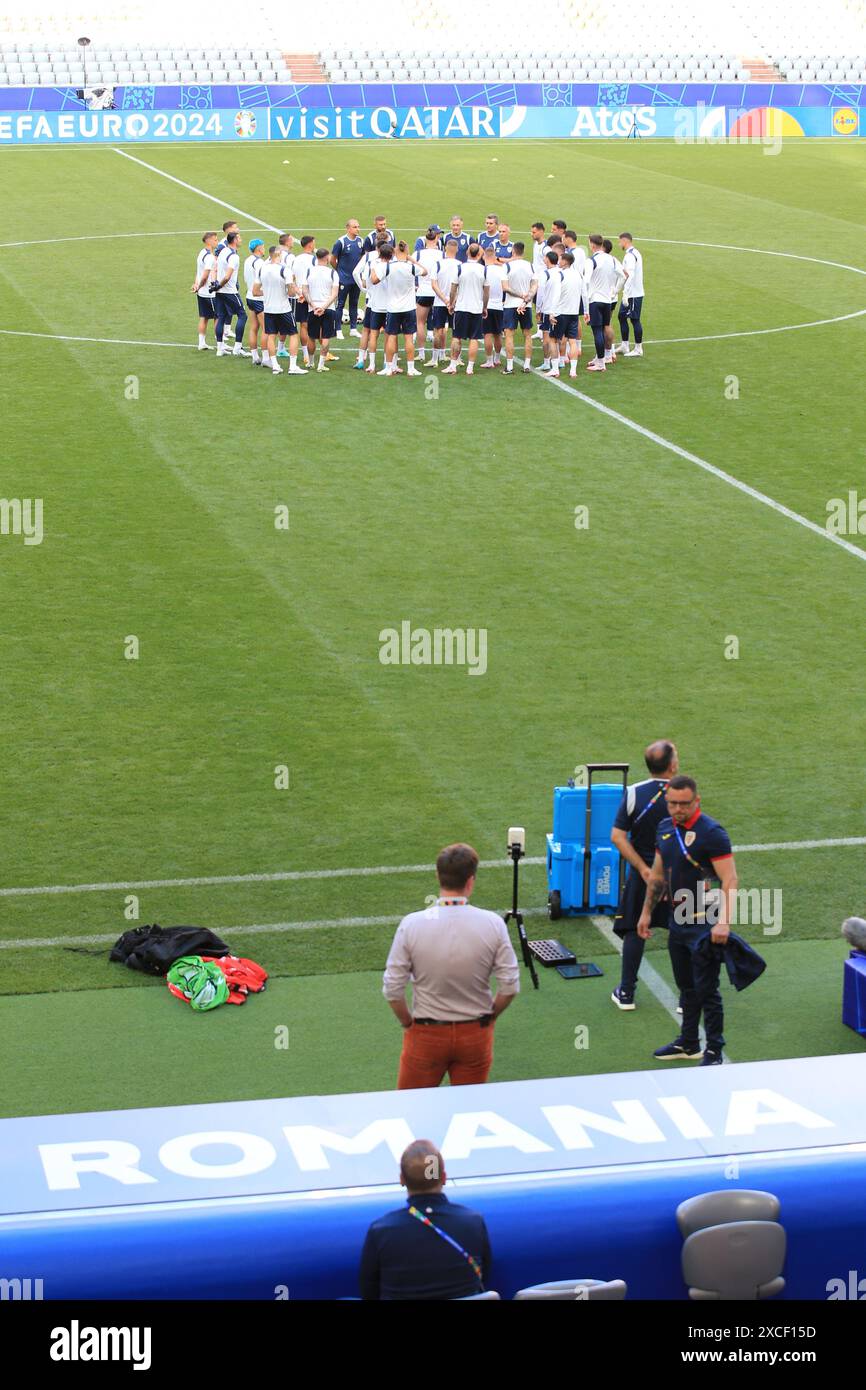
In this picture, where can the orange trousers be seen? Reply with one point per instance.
(463, 1050)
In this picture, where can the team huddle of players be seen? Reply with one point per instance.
(480, 289)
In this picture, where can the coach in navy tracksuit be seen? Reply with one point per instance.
(345, 255)
(430, 1248)
(693, 852)
(634, 835)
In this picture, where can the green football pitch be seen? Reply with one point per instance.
(704, 600)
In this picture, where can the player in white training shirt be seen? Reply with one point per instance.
(567, 301)
(227, 300)
(252, 266)
(496, 273)
(443, 277)
(548, 289)
(400, 281)
(304, 261)
(278, 293)
(205, 264)
(376, 306)
(429, 255)
(631, 307)
(519, 287)
(600, 276)
(468, 301)
(321, 288)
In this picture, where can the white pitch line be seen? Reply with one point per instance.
(288, 876)
(378, 871)
(257, 929)
(702, 463)
(199, 191)
(73, 338)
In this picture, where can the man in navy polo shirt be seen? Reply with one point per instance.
(490, 235)
(430, 1248)
(692, 853)
(634, 833)
(462, 239)
(345, 255)
(503, 246)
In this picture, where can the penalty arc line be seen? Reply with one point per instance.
(720, 473)
(378, 871)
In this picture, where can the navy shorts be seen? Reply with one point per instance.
(257, 305)
(467, 325)
(405, 322)
(321, 325)
(302, 311)
(281, 323)
(544, 322)
(629, 311)
(374, 318)
(206, 308)
(439, 317)
(425, 301)
(493, 322)
(599, 315)
(567, 326)
(518, 318)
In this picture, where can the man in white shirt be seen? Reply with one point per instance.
(601, 274)
(545, 298)
(228, 302)
(400, 278)
(376, 306)
(539, 250)
(449, 953)
(204, 268)
(443, 277)
(632, 296)
(321, 288)
(468, 303)
(278, 291)
(496, 273)
(252, 266)
(304, 261)
(565, 314)
(429, 254)
(519, 286)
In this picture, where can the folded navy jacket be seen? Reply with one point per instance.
(742, 961)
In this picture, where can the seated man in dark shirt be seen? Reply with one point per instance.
(430, 1248)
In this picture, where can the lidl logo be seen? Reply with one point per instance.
(846, 120)
(245, 123)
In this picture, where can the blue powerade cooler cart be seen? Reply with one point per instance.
(584, 870)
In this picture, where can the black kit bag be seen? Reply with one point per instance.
(154, 949)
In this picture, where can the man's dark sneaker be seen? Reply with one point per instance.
(622, 998)
(679, 1052)
(711, 1059)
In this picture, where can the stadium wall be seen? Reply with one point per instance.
(576, 1177)
(697, 112)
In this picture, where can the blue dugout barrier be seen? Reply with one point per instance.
(576, 1176)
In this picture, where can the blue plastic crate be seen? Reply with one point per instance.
(854, 993)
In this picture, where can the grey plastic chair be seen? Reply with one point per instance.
(740, 1260)
(574, 1291)
(731, 1204)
